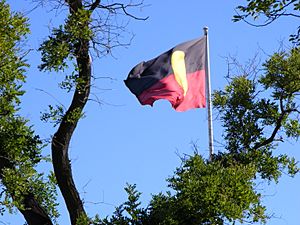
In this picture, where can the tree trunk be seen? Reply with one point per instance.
(62, 138)
(34, 214)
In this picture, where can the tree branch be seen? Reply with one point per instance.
(33, 212)
(271, 16)
(276, 129)
(62, 138)
(120, 6)
(94, 5)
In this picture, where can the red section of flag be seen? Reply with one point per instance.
(169, 89)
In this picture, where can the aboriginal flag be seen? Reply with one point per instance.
(177, 75)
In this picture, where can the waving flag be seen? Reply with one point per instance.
(177, 75)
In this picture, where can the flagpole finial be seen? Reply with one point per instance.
(205, 29)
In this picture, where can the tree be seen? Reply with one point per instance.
(268, 12)
(20, 148)
(281, 111)
(70, 44)
(257, 112)
(220, 191)
(203, 193)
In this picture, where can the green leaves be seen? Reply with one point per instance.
(127, 213)
(54, 114)
(210, 191)
(20, 152)
(239, 110)
(13, 28)
(283, 78)
(269, 8)
(292, 128)
(77, 26)
(56, 51)
(64, 43)
(269, 11)
(202, 193)
(283, 74)
(20, 148)
(258, 114)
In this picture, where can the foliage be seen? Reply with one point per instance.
(204, 193)
(70, 45)
(256, 114)
(259, 114)
(62, 45)
(129, 212)
(209, 193)
(68, 49)
(54, 115)
(61, 50)
(20, 148)
(13, 27)
(270, 11)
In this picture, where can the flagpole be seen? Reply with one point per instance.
(208, 94)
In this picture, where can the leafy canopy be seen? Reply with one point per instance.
(265, 12)
(20, 148)
(257, 114)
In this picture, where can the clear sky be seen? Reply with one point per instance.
(122, 141)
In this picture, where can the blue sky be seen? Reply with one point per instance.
(122, 141)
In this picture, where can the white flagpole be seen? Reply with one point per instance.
(208, 97)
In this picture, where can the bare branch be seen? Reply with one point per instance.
(94, 5)
(271, 16)
(52, 96)
(120, 6)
